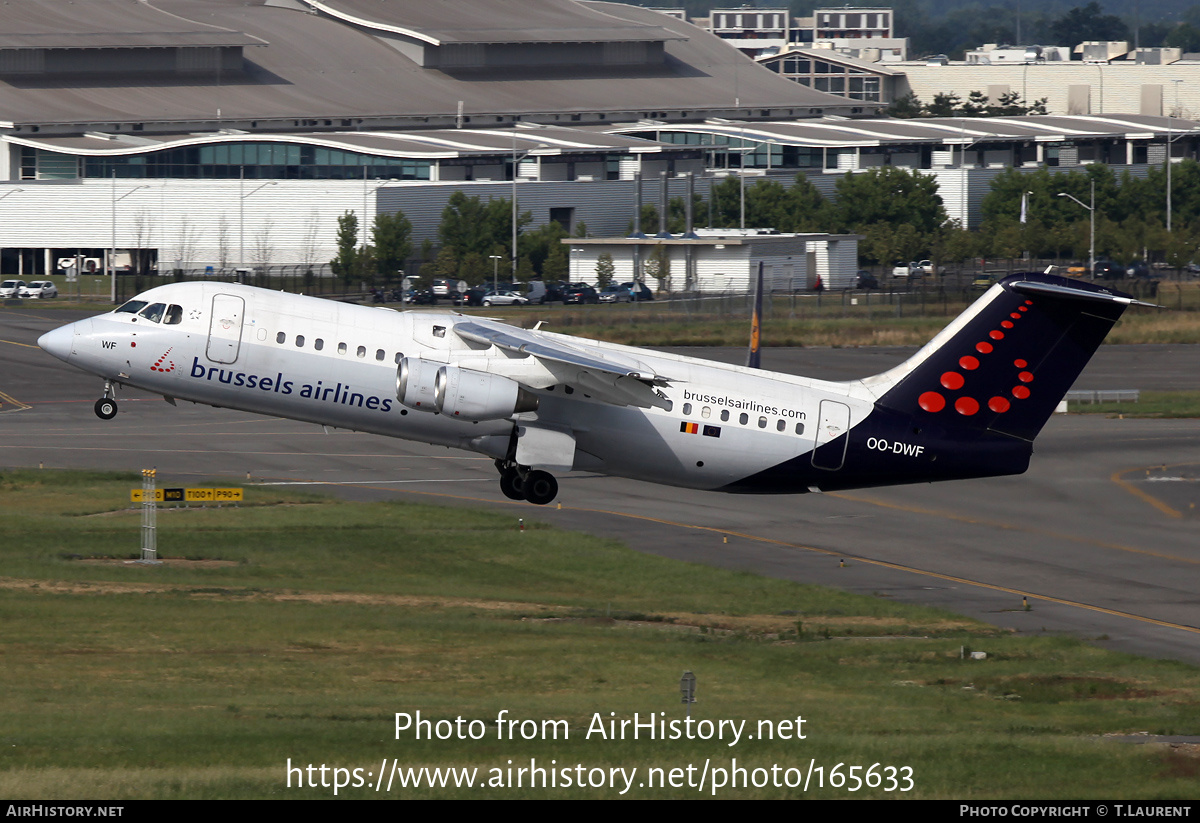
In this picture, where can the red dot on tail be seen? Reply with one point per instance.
(996, 334)
(966, 405)
(1020, 364)
(998, 404)
(1015, 316)
(1020, 392)
(983, 347)
(1007, 324)
(1025, 377)
(952, 380)
(931, 401)
(968, 362)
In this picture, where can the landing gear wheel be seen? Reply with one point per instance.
(540, 487)
(512, 486)
(106, 408)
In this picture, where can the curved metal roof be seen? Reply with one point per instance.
(490, 21)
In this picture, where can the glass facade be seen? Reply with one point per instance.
(259, 160)
(727, 152)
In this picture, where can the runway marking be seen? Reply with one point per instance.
(975, 521)
(360, 483)
(358, 455)
(830, 553)
(1118, 478)
(8, 404)
(15, 343)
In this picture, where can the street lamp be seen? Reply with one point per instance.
(1092, 236)
(1170, 140)
(495, 258)
(242, 214)
(112, 270)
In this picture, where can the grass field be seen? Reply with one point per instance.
(294, 627)
(1149, 404)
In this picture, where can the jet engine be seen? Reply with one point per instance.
(473, 395)
(415, 383)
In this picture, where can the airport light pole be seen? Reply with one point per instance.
(242, 214)
(495, 271)
(112, 252)
(1171, 140)
(1092, 236)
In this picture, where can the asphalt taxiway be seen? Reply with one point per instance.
(1102, 535)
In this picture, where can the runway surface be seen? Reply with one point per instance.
(1102, 534)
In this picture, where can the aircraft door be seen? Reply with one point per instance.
(225, 328)
(834, 424)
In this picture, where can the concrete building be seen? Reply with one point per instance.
(723, 261)
(226, 132)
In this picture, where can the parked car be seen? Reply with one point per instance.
(580, 293)
(926, 267)
(504, 298)
(639, 291)
(1110, 270)
(865, 280)
(39, 289)
(902, 269)
(1139, 268)
(421, 297)
(11, 288)
(615, 294)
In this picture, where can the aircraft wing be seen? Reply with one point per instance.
(610, 376)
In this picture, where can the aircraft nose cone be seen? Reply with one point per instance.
(58, 342)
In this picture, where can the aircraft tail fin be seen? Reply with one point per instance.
(1005, 363)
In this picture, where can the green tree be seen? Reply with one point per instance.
(391, 237)
(945, 104)
(606, 270)
(905, 107)
(471, 225)
(890, 195)
(346, 264)
(803, 208)
(1088, 23)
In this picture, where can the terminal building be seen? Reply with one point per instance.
(190, 134)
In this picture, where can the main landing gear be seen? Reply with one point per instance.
(521, 483)
(106, 406)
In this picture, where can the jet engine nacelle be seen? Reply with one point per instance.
(474, 395)
(415, 379)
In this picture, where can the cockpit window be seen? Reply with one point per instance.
(173, 316)
(153, 312)
(132, 307)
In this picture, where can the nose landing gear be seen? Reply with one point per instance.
(106, 406)
(521, 483)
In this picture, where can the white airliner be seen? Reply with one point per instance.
(968, 404)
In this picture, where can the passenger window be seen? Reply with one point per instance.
(281, 338)
(174, 315)
(724, 415)
(318, 344)
(300, 341)
(153, 312)
(362, 351)
(762, 422)
(687, 409)
(341, 348)
(780, 425)
(744, 418)
(399, 357)
(379, 355)
(799, 428)
(706, 412)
